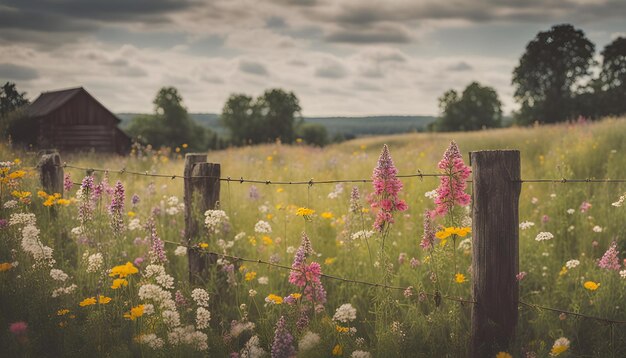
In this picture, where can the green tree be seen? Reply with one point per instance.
(478, 107)
(550, 72)
(613, 78)
(313, 134)
(13, 119)
(240, 117)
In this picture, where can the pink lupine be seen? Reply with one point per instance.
(282, 347)
(67, 183)
(116, 209)
(451, 190)
(307, 276)
(610, 259)
(428, 239)
(386, 189)
(585, 206)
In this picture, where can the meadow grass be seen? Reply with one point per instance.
(388, 323)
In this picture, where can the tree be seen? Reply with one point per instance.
(170, 125)
(11, 99)
(272, 116)
(550, 73)
(13, 120)
(613, 78)
(313, 134)
(478, 107)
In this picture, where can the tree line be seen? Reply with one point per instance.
(553, 82)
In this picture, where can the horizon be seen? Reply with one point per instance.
(347, 59)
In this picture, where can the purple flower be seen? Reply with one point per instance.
(3, 223)
(451, 190)
(428, 239)
(157, 252)
(282, 347)
(355, 201)
(401, 258)
(545, 219)
(386, 189)
(585, 206)
(415, 262)
(135, 200)
(253, 193)
(610, 259)
(138, 261)
(67, 183)
(180, 299)
(86, 206)
(116, 209)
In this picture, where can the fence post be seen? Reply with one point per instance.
(496, 188)
(200, 194)
(51, 172)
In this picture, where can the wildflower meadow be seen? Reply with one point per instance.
(356, 268)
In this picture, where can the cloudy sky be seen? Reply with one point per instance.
(340, 57)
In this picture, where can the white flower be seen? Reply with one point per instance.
(431, 194)
(10, 204)
(77, 231)
(360, 354)
(263, 280)
(252, 293)
(291, 249)
(465, 244)
(171, 318)
(31, 244)
(94, 262)
(201, 297)
(240, 236)
(262, 227)
(597, 229)
(173, 210)
(215, 221)
(134, 224)
(572, 264)
(252, 349)
(64, 290)
(236, 328)
(148, 308)
(623, 274)
(180, 251)
(22, 219)
(151, 340)
(264, 209)
(553, 195)
(543, 236)
(561, 342)
(345, 313)
(534, 200)
(58, 275)
(526, 225)
(571, 211)
(620, 202)
(203, 316)
(172, 201)
(363, 234)
(309, 340)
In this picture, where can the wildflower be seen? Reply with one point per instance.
(307, 276)
(572, 264)
(180, 251)
(571, 211)
(250, 276)
(88, 302)
(355, 204)
(18, 328)
(263, 280)
(252, 348)
(308, 341)
(363, 234)
(135, 312)
(203, 245)
(282, 347)
(345, 313)
(386, 189)
(216, 221)
(414, 262)
(545, 219)
(64, 290)
(622, 274)
(330, 260)
(203, 316)
(597, 228)
(337, 350)
(526, 225)
(123, 271)
(503, 355)
(563, 271)
(262, 227)
(326, 215)
(85, 196)
(116, 208)
(305, 212)
(520, 276)
(559, 346)
(428, 239)
(151, 340)
(252, 293)
(459, 278)
(119, 282)
(103, 300)
(591, 286)
(360, 354)
(543, 236)
(63, 312)
(342, 329)
(201, 297)
(274, 299)
(620, 202)
(58, 275)
(610, 259)
(451, 190)
(5, 266)
(585, 206)
(267, 240)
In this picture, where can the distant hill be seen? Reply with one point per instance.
(346, 126)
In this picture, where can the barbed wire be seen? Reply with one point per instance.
(578, 314)
(311, 181)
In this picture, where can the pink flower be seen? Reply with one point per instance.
(609, 260)
(585, 206)
(520, 276)
(18, 328)
(451, 190)
(428, 239)
(386, 189)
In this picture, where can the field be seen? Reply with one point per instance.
(146, 306)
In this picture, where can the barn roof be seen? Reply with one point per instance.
(50, 101)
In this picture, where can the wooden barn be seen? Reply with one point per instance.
(73, 120)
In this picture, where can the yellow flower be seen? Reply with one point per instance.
(563, 271)
(341, 329)
(365, 210)
(185, 145)
(296, 295)
(252, 241)
(119, 282)
(131, 214)
(177, 150)
(298, 140)
(269, 216)
(338, 350)
(87, 302)
(17, 174)
(559, 346)
(63, 312)
(203, 245)
(305, 212)
(49, 202)
(280, 190)
(6, 266)
(20, 194)
(330, 260)
(459, 278)
(274, 299)
(64, 202)
(17, 161)
(250, 276)
(267, 240)
(42, 194)
(591, 286)
(135, 312)
(269, 158)
(327, 215)
(103, 300)
(243, 268)
(123, 270)
(503, 355)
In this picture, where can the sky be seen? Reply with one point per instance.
(340, 57)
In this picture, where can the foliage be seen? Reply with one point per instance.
(13, 121)
(171, 124)
(612, 80)
(550, 72)
(478, 107)
(272, 116)
(313, 134)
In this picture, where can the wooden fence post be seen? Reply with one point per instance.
(495, 262)
(200, 194)
(51, 172)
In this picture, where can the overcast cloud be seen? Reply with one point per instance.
(349, 57)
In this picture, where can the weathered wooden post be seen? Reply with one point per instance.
(51, 172)
(495, 261)
(201, 193)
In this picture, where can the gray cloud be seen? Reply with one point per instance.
(252, 67)
(17, 72)
(332, 70)
(366, 86)
(380, 34)
(460, 67)
(132, 71)
(275, 22)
